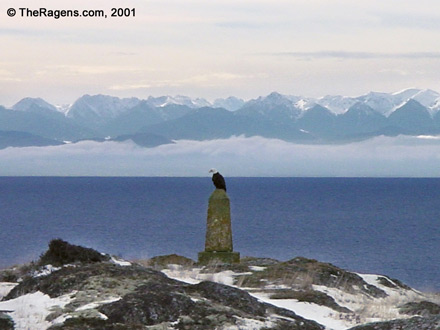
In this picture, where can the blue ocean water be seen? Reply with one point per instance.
(383, 226)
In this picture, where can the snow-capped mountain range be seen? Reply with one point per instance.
(384, 103)
(293, 118)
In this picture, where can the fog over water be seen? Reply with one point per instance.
(401, 156)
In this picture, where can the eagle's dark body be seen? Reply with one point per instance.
(219, 181)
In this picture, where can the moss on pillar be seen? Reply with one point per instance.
(218, 241)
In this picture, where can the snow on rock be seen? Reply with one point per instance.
(256, 293)
(5, 288)
(30, 311)
(321, 314)
(187, 275)
(352, 305)
(98, 303)
(253, 324)
(194, 275)
(45, 270)
(120, 262)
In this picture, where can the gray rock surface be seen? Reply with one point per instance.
(135, 297)
(414, 323)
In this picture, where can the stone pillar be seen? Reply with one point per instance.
(218, 241)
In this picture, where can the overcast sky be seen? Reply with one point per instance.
(218, 48)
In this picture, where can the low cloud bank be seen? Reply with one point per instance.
(236, 156)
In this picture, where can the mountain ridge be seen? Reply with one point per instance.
(330, 119)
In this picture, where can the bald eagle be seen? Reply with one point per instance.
(218, 179)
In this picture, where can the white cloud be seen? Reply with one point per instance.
(207, 48)
(237, 156)
(209, 79)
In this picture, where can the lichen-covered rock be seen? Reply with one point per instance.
(310, 296)
(150, 304)
(103, 277)
(117, 296)
(392, 283)
(161, 262)
(206, 305)
(229, 296)
(414, 323)
(423, 308)
(302, 273)
(136, 297)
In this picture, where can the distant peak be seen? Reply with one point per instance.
(407, 90)
(28, 103)
(274, 95)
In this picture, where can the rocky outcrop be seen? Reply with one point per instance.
(261, 293)
(302, 273)
(310, 296)
(415, 323)
(105, 295)
(161, 262)
(422, 308)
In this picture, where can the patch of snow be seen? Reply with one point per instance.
(61, 319)
(49, 269)
(194, 275)
(226, 277)
(120, 262)
(163, 101)
(321, 314)
(257, 268)
(30, 310)
(45, 270)
(276, 286)
(98, 303)
(63, 108)
(177, 272)
(5, 288)
(343, 298)
(398, 291)
(405, 94)
(364, 307)
(244, 323)
(102, 316)
(426, 97)
(336, 103)
(369, 309)
(305, 104)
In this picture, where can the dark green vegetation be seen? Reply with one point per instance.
(62, 253)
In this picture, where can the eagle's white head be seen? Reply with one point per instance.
(213, 171)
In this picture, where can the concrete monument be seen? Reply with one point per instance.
(218, 241)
